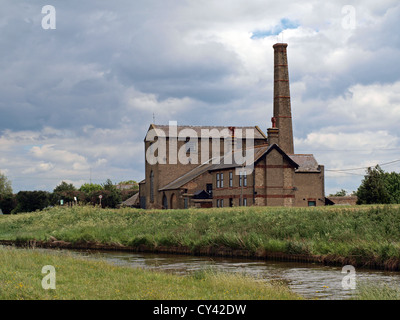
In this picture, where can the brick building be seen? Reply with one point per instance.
(194, 166)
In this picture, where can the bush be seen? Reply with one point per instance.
(8, 203)
(28, 201)
(110, 199)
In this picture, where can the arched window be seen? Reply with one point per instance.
(151, 186)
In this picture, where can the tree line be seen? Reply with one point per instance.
(63, 194)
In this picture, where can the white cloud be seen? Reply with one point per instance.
(354, 131)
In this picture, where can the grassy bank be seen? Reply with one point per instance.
(368, 291)
(366, 233)
(81, 279)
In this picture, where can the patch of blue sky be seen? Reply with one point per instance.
(29, 147)
(284, 24)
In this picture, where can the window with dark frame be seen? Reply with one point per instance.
(312, 203)
(209, 189)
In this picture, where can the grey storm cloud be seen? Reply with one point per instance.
(77, 74)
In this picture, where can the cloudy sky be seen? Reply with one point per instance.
(76, 101)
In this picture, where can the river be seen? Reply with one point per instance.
(312, 281)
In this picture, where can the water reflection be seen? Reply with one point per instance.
(312, 281)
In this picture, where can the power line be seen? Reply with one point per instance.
(349, 150)
(352, 169)
(354, 174)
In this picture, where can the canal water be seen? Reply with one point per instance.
(312, 281)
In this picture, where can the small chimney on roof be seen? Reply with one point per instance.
(273, 136)
(273, 120)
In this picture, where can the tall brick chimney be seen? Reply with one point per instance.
(282, 108)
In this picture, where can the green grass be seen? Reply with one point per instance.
(370, 291)
(85, 279)
(361, 232)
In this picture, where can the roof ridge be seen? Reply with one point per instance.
(208, 126)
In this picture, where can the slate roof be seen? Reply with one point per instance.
(187, 177)
(197, 130)
(306, 162)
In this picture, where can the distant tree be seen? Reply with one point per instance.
(392, 183)
(7, 199)
(28, 201)
(111, 195)
(341, 193)
(90, 187)
(108, 185)
(133, 182)
(5, 185)
(64, 186)
(65, 192)
(8, 203)
(374, 187)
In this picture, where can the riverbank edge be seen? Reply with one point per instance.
(213, 251)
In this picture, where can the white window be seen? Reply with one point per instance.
(243, 178)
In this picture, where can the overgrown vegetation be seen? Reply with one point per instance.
(379, 186)
(362, 233)
(371, 291)
(82, 279)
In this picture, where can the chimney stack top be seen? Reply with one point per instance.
(277, 45)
